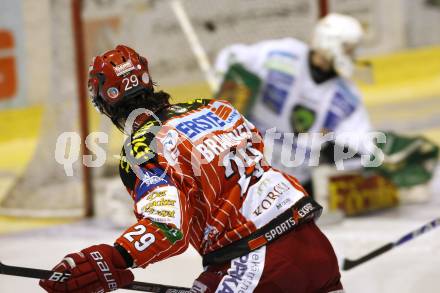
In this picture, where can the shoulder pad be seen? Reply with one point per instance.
(141, 145)
(138, 149)
(198, 102)
(182, 108)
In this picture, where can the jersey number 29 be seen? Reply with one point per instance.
(144, 241)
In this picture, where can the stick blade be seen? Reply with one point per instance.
(348, 264)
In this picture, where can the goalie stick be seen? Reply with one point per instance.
(349, 263)
(56, 276)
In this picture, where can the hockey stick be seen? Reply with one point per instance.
(56, 276)
(195, 44)
(349, 264)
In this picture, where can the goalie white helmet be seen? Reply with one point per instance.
(335, 37)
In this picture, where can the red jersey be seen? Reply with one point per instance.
(197, 174)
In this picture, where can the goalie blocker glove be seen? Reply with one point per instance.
(98, 268)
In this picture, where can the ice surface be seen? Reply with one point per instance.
(412, 267)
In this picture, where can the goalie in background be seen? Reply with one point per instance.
(298, 88)
(307, 89)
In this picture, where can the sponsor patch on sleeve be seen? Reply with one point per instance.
(172, 234)
(151, 178)
(161, 205)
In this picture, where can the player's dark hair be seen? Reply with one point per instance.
(147, 98)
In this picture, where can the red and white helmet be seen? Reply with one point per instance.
(117, 75)
(336, 36)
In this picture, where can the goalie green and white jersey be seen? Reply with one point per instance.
(286, 97)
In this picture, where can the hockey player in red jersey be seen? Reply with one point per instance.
(196, 174)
